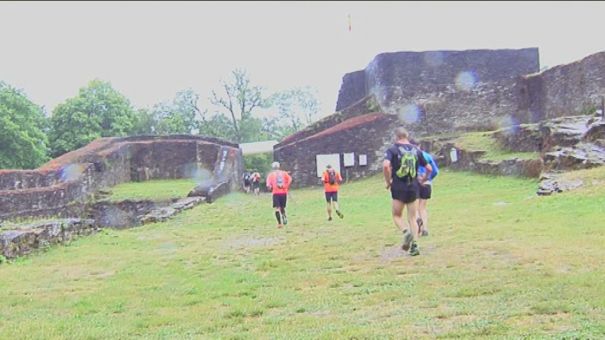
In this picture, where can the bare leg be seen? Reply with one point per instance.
(329, 208)
(397, 215)
(424, 214)
(412, 214)
(279, 217)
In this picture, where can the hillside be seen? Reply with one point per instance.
(500, 261)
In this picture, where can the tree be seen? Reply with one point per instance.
(296, 109)
(22, 130)
(97, 111)
(178, 116)
(239, 100)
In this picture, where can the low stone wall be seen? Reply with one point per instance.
(26, 239)
(73, 178)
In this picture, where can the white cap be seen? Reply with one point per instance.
(275, 165)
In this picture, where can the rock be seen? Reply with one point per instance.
(552, 183)
(158, 215)
(211, 191)
(187, 203)
(580, 156)
(595, 132)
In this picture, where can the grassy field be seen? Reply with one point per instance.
(493, 151)
(155, 189)
(500, 263)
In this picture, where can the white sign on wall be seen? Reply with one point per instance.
(363, 159)
(323, 160)
(349, 159)
(454, 155)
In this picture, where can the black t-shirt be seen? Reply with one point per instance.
(393, 155)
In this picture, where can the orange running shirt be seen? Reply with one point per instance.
(272, 182)
(331, 187)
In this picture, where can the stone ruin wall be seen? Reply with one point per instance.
(426, 83)
(57, 187)
(508, 89)
(360, 135)
(564, 90)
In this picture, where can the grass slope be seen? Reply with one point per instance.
(156, 190)
(500, 262)
(484, 141)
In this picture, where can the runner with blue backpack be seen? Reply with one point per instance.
(424, 193)
(400, 168)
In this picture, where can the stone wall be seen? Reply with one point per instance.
(367, 134)
(563, 90)
(393, 76)
(75, 176)
(471, 161)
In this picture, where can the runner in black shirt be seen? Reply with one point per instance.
(400, 168)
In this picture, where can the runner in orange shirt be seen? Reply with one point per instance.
(278, 181)
(332, 180)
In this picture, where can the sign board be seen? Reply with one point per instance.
(363, 159)
(454, 155)
(323, 160)
(349, 159)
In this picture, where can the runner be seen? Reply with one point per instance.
(246, 178)
(400, 169)
(424, 194)
(278, 181)
(256, 182)
(332, 180)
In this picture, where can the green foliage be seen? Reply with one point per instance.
(2, 259)
(296, 109)
(23, 142)
(260, 162)
(179, 116)
(238, 100)
(97, 111)
(372, 105)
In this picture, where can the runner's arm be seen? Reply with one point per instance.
(423, 162)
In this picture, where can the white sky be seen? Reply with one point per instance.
(151, 50)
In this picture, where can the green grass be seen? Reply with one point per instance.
(501, 262)
(483, 141)
(155, 190)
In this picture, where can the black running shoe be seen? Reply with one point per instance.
(414, 251)
(407, 240)
(330, 218)
(339, 214)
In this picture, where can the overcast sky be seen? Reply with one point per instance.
(151, 50)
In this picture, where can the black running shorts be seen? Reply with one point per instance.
(332, 196)
(424, 192)
(256, 185)
(279, 200)
(405, 196)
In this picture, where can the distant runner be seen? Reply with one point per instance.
(424, 194)
(400, 169)
(278, 181)
(332, 180)
(256, 183)
(246, 178)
